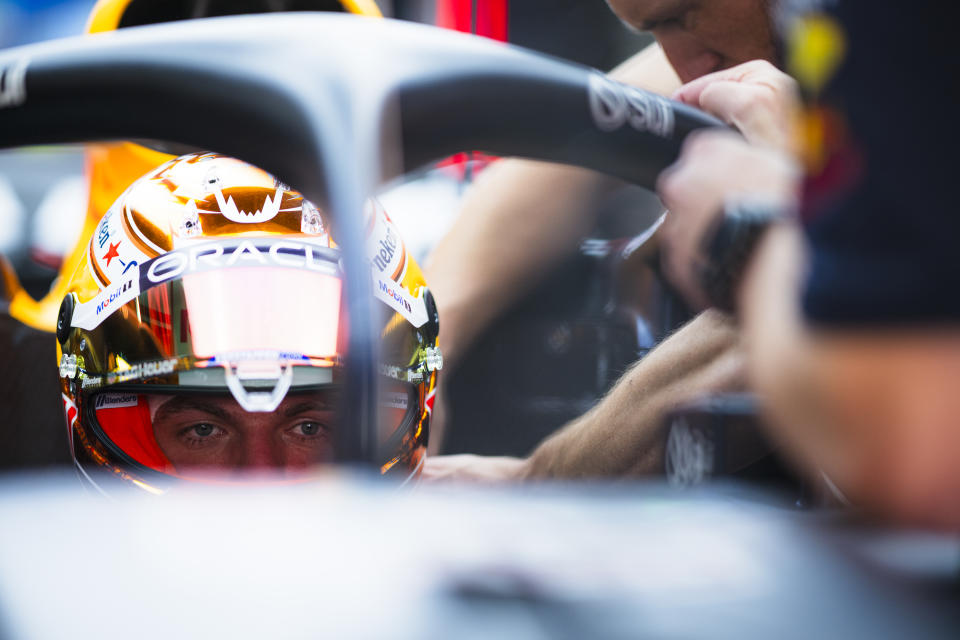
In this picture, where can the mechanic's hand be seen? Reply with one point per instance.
(715, 166)
(755, 97)
(470, 468)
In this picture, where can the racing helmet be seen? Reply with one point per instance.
(203, 333)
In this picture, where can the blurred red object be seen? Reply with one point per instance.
(486, 18)
(481, 17)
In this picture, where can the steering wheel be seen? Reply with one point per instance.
(335, 105)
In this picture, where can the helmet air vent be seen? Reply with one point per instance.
(310, 220)
(68, 366)
(190, 223)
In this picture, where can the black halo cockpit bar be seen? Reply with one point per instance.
(324, 102)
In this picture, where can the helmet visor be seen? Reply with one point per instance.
(215, 304)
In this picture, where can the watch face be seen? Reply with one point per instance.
(728, 245)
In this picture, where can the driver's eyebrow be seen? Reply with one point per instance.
(182, 404)
(305, 407)
(668, 12)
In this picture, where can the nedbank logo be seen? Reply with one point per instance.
(385, 250)
(103, 232)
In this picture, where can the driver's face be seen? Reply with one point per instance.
(214, 433)
(702, 36)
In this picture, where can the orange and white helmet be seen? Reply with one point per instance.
(204, 329)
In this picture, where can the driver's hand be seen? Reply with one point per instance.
(714, 166)
(755, 97)
(471, 468)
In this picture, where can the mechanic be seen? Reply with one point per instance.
(850, 310)
(188, 347)
(477, 261)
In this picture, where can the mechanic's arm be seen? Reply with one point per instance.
(875, 410)
(715, 168)
(623, 434)
(517, 221)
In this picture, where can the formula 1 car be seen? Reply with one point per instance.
(699, 567)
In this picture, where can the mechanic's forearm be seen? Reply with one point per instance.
(623, 434)
(781, 366)
(805, 389)
(875, 410)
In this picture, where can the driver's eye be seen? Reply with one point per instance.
(203, 430)
(308, 428)
(201, 434)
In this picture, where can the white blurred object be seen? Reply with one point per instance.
(423, 209)
(12, 218)
(58, 220)
(351, 557)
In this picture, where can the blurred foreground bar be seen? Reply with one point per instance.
(348, 557)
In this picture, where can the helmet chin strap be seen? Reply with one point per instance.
(258, 399)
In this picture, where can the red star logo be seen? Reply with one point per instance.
(111, 253)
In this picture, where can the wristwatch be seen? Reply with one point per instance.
(729, 244)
